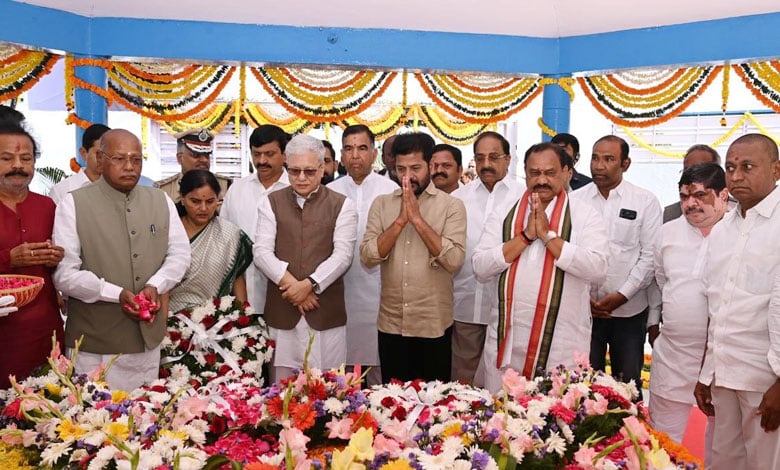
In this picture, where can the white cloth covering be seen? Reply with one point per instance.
(473, 299)
(328, 349)
(74, 181)
(362, 285)
(127, 373)
(631, 243)
(678, 351)
(240, 207)
(583, 259)
(88, 287)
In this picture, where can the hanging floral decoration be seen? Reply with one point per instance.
(449, 130)
(213, 118)
(323, 95)
(480, 99)
(383, 120)
(763, 81)
(20, 69)
(724, 94)
(257, 115)
(643, 98)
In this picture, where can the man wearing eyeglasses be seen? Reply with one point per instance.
(304, 240)
(193, 152)
(493, 190)
(266, 146)
(120, 240)
(361, 284)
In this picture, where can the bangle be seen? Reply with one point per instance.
(398, 223)
(525, 237)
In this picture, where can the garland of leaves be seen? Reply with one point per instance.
(20, 69)
(646, 98)
(763, 81)
(479, 99)
(335, 95)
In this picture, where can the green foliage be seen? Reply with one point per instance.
(51, 175)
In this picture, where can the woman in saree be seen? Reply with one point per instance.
(221, 252)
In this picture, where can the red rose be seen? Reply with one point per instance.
(164, 373)
(250, 342)
(211, 359)
(218, 425)
(387, 402)
(216, 302)
(174, 335)
(208, 321)
(184, 344)
(224, 369)
(243, 320)
(399, 413)
(227, 326)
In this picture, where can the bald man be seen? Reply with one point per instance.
(120, 240)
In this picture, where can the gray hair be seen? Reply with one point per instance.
(302, 144)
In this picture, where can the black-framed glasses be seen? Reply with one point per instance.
(492, 157)
(308, 172)
(122, 160)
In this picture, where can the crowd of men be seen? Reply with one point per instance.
(419, 276)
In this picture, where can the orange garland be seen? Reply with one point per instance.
(30, 83)
(650, 122)
(760, 96)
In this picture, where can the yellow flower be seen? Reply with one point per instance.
(118, 430)
(456, 429)
(118, 396)
(68, 430)
(344, 460)
(181, 435)
(396, 465)
(53, 389)
(658, 457)
(361, 444)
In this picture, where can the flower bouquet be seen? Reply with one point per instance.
(221, 338)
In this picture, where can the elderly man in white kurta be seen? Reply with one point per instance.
(362, 285)
(552, 249)
(679, 270)
(739, 380)
(493, 190)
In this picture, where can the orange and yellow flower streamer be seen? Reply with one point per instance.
(763, 81)
(20, 69)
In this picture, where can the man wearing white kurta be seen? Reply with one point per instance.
(362, 285)
(90, 145)
(493, 190)
(679, 270)
(551, 243)
(266, 144)
(738, 381)
(304, 242)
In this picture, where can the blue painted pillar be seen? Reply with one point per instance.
(556, 107)
(89, 106)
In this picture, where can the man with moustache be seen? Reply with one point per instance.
(494, 190)
(361, 283)
(620, 304)
(193, 152)
(330, 166)
(304, 244)
(679, 270)
(120, 240)
(446, 167)
(698, 153)
(544, 252)
(417, 235)
(266, 146)
(90, 145)
(26, 221)
(388, 160)
(571, 146)
(738, 382)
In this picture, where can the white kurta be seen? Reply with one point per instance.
(74, 181)
(362, 285)
(583, 259)
(240, 207)
(474, 299)
(679, 270)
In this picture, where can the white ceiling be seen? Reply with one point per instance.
(540, 18)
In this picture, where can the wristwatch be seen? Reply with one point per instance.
(314, 286)
(550, 235)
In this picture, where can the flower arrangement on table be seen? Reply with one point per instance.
(566, 419)
(221, 338)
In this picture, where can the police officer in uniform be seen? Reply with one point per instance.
(193, 152)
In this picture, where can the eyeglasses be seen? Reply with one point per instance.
(120, 160)
(308, 172)
(493, 157)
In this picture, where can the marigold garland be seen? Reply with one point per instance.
(447, 129)
(626, 109)
(256, 116)
(383, 126)
(21, 69)
(763, 81)
(724, 94)
(545, 128)
(213, 118)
